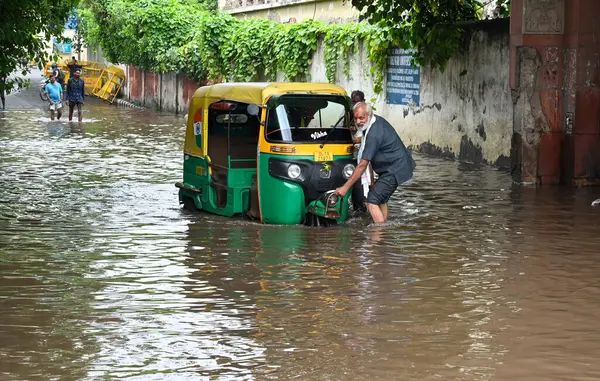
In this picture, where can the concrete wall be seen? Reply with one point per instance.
(163, 92)
(465, 112)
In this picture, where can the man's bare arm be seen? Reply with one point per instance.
(358, 171)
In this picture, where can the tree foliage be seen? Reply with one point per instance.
(22, 22)
(181, 35)
(502, 7)
(433, 28)
(147, 32)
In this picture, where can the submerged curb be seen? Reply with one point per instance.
(124, 103)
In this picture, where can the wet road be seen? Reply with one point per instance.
(104, 276)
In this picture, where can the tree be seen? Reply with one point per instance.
(146, 33)
(433, 28)
(21, 24)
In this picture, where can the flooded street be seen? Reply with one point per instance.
(104, 276)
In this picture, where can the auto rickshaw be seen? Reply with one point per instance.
(275, 152)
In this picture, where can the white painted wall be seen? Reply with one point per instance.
(465, 112)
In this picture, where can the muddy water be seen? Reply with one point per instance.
(103, 276)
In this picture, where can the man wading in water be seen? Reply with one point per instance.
(382, 148)
(75, 94)
(2, 90)
(54, 91)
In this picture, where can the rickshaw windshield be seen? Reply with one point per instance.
(308, 119)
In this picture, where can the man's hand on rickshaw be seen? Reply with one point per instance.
(341, 191)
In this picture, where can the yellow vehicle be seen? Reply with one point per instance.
(109, 83)
(91, 72)
(273, 151)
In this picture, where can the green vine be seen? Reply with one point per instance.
(212, 32)
(249, 52)
(296, 47)
(340, 42)
(177, 35)
(378, 42)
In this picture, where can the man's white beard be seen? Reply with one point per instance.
(365, 124)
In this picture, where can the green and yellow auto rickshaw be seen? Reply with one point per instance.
(275, 152)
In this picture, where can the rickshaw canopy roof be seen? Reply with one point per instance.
(259, 92)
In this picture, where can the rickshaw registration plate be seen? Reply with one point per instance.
(323, 156)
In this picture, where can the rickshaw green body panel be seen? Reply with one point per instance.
(238, 188)
(283, 202)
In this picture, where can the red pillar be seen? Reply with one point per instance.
(583, 41)
(537, 35)
(555, 56)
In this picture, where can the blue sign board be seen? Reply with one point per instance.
(403, 86)
(62, 47)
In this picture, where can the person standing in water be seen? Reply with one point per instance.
(55, 95)
(384, 150)
(2, 91)
(75, 94)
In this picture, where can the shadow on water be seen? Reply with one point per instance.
(104, 276)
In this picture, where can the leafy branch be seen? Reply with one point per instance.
(25, 26)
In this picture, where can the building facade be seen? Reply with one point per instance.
(291, 11)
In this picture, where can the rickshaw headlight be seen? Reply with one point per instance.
(333, 200)
(294, 171)
(348, 170)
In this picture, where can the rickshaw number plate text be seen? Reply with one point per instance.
(323, 156)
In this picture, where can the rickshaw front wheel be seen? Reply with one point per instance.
(318, 221)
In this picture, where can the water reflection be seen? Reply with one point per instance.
(322, 299)
(103, 276)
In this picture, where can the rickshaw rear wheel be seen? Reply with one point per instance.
(189, 204)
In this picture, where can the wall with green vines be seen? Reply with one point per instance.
(178, 35)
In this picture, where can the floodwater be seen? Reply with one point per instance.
(104, 277)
